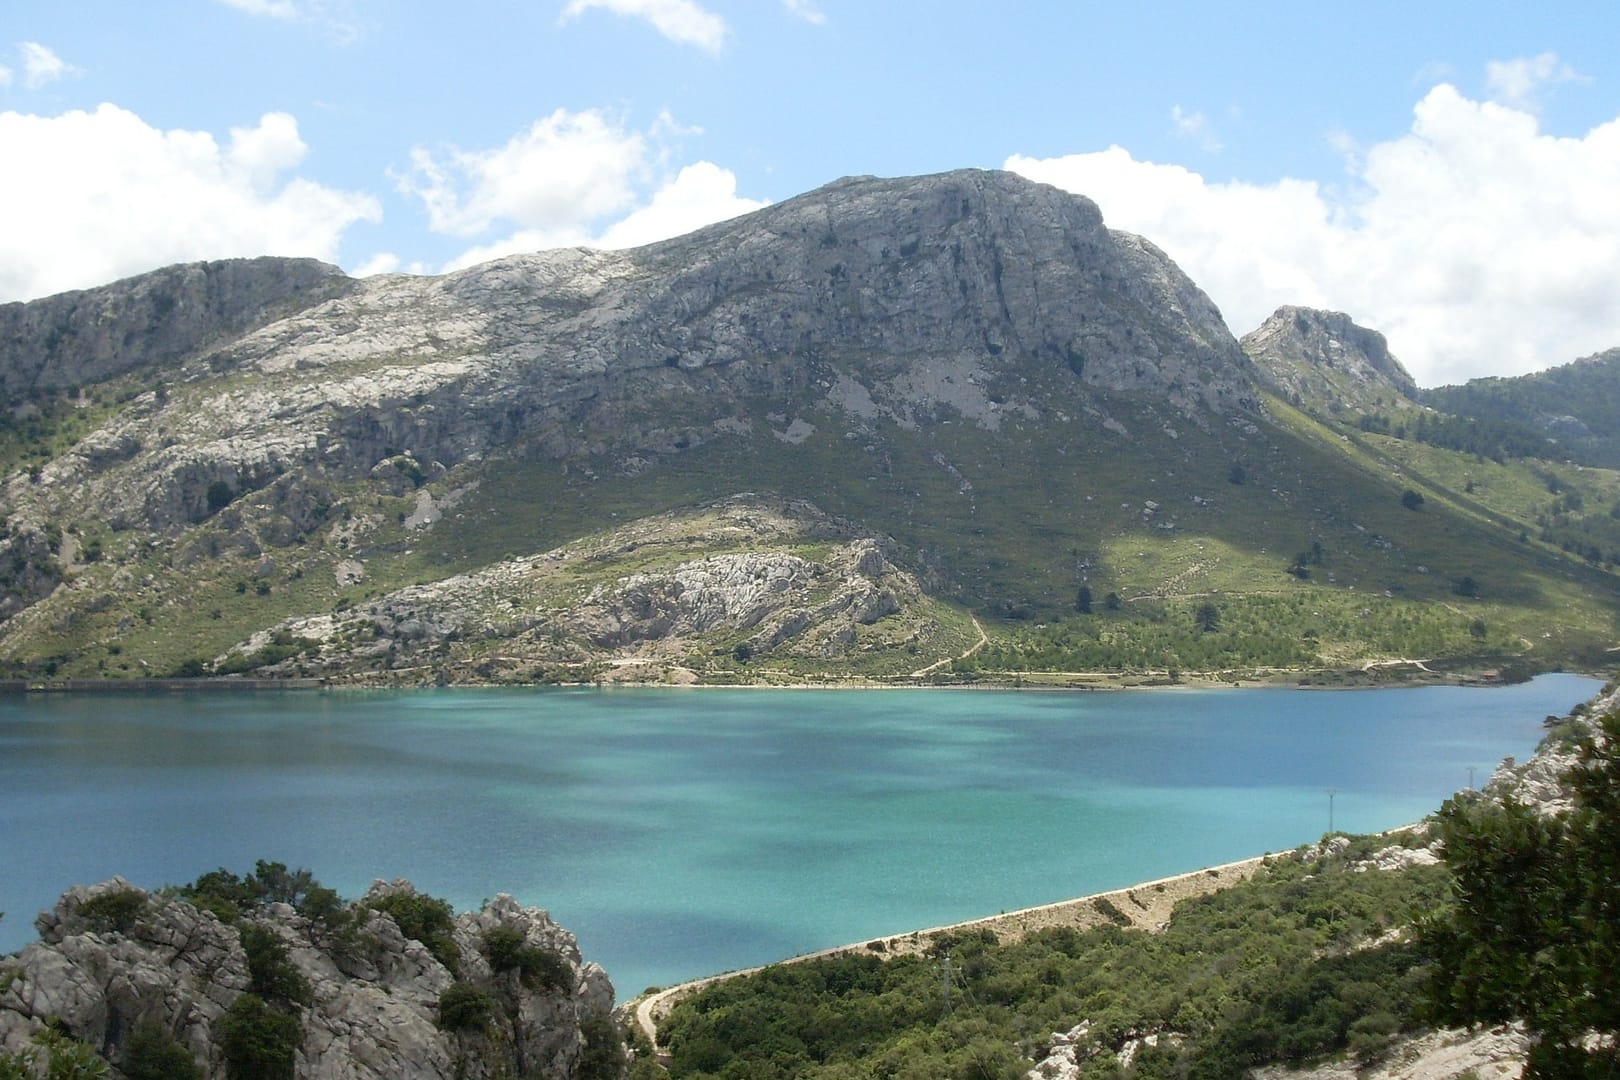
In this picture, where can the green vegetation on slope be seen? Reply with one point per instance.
(1282, 968)
(1586, 391)
(1534, 934)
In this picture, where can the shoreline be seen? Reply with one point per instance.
(1143, 906)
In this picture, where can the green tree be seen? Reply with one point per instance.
(260, 1042)
(1207, 617)
(154, 1054)
(1411, 499)
(1082, 600)
(1536, 927)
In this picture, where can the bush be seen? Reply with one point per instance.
(426, 919)
(1411, 499)
(153, 1054)
(537, 968)
(270, 967)
(464, 1007)
(259, 1042)
(603, 1057)
(113, 911)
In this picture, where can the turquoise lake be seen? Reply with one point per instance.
(684, 832)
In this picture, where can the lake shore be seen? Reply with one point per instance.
(1146, 906)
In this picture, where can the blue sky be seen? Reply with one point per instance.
(1447, 173)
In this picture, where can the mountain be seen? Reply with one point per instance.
(1575, 406)
(1310, 355)
(871, 430)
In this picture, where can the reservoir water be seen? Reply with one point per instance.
(684, 832)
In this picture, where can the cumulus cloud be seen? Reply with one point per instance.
(41, 66)
(570, 179)
(1519, 83)
(1477, 243)
(107, 195)
(567, 170)
(700, 194)
(681, 21)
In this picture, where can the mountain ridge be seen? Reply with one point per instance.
(1012, 401)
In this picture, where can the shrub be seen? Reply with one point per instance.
(1411, 499)
(537, 968)
(603, 1057)
(270, 967)
(113, 911)
(259, 1042)
(426, 919)
(153, 1054)
(464, 1007)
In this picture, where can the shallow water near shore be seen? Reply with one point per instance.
(684, 832)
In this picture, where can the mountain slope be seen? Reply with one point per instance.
(1576, 406)
(968, 373)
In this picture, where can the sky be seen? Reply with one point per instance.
(1446, 173)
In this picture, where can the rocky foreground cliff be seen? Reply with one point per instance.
(158, 985)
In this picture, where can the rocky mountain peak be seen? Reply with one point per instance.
(1325, 358)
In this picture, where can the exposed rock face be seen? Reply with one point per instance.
(1325, 359)
(551, 606)
(374, 1006)
(894, 299)
(81, 337)
(1539, 782)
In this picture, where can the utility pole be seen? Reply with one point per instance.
(1331, 792)
(1470, 778)
(947, 984)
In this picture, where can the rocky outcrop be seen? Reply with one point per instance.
(113, 958)
(786, 591)
(76, 338)
(1540, 782)
(1323, 359)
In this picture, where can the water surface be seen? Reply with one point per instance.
(681, 832)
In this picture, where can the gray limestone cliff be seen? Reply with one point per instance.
(369, 1002)
(893, 301)
(1324, 359)
(80, 337)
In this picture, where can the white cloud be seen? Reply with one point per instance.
(107, 195)
(384, 262)
(808, 10)
(41, 66)
(701, 194)
(567, 170)
(1194, 126)
(681, 21)
(1518, 83)
(571, 179)
(1475, 242)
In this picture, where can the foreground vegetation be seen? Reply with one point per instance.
(1275, 969)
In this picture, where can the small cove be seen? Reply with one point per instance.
(683, 832)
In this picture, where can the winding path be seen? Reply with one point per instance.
(984, 639)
